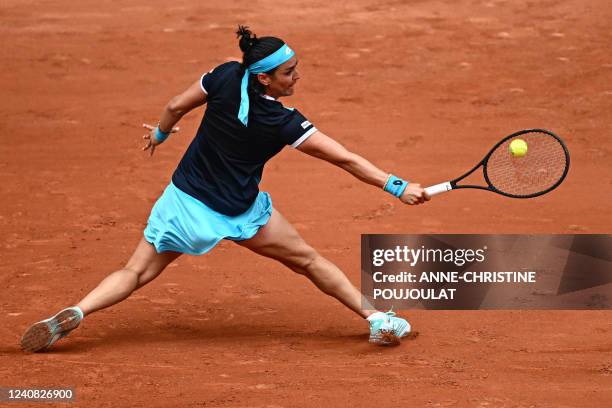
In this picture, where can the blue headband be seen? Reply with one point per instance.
(280, 56)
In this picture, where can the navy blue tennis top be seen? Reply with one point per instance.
(224, 163)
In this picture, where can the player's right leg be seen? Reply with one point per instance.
(279, 240)
(144, 266)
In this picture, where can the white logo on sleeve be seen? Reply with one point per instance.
(287, 51)
(305, 124)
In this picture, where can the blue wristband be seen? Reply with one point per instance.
(160, 136)
(395, 186)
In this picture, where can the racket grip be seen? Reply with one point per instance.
(439, 188)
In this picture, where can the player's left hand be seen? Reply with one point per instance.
(150, 137)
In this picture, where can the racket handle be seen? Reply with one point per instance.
(439, 188)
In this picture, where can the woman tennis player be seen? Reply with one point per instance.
(214, 192)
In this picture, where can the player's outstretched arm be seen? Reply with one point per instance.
(178, 107)
(325, 148)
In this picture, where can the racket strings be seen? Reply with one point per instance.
(537, 171)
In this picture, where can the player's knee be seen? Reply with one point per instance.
(302, 261)
(306, 260)
(136, 269)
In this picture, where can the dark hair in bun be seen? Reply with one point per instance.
(254, 49)
(246, 38)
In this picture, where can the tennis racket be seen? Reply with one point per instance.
(539, 171)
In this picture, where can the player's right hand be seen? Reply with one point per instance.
(414, 194)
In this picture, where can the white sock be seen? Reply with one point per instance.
(78, 309)
(376, 316)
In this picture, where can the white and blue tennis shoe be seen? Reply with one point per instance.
(386, 329)
(41, 335)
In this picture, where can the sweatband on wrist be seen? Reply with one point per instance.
(395, 186)
(160, 136)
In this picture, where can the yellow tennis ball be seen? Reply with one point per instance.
(518, 148)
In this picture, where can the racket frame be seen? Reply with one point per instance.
(452, 185)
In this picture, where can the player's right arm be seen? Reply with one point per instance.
(325, 148)
(175, 109)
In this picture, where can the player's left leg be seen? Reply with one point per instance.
(144, 266)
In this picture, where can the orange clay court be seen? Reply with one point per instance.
(420, 88)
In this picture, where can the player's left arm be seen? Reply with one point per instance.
(175, 109)
(325, 148)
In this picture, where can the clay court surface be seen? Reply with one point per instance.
(421, 88)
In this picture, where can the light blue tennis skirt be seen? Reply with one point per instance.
(181, 223)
